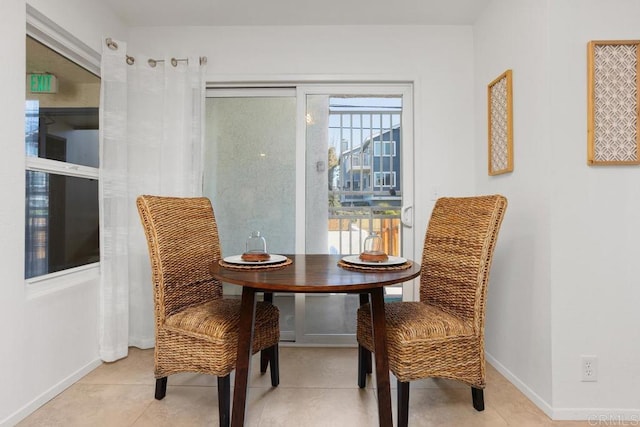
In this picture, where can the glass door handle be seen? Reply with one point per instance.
(406, 216)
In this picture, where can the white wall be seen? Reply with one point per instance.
(12, 293)
(49, 337)
(595, 228)
(512, 35)
(570, 286)
(438, 59)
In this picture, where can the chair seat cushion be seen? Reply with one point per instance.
(217, 321)
(414, 321)
(425, 341)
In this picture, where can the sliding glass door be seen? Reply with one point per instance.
(315, 169)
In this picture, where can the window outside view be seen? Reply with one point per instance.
(365, 192)
(61, 147)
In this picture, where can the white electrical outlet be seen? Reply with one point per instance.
(589, 366)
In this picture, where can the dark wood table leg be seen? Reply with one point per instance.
(243, 360)
(382, 363)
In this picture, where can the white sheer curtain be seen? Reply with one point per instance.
(151, 143)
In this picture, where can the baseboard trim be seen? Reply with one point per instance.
(49, 394)
(595, 416)
(524, 388)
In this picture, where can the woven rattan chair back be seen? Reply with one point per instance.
(197, 329)
(442, 336)
(457, 255)
(182, 237)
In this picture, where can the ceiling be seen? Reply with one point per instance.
(297, 12)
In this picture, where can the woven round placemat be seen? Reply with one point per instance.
(374, 268)
(244, 267)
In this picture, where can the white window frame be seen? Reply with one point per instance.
(379, 179)
(47, 32)
(380, 146)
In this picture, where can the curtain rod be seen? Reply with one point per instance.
(111, 44)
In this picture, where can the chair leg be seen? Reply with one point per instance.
(368, 364)
(364, 299)
(264, 354)
(224, 400)
(161, 388)
(274, 361)
(366, 359)
(403, 403)
(477, 394)
(362, 366)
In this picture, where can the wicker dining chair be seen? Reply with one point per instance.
(442, 335)
(196, 329)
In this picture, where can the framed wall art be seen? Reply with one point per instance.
(500, 115)
(613, 112)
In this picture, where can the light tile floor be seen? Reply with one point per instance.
(317, 388)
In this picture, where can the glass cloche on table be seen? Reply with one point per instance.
(373, 251)
(256, 248)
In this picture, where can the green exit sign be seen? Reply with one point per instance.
(42, 83)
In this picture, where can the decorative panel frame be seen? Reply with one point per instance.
(613, 112)
(500, 124)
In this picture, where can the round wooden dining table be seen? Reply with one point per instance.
(313, 274)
